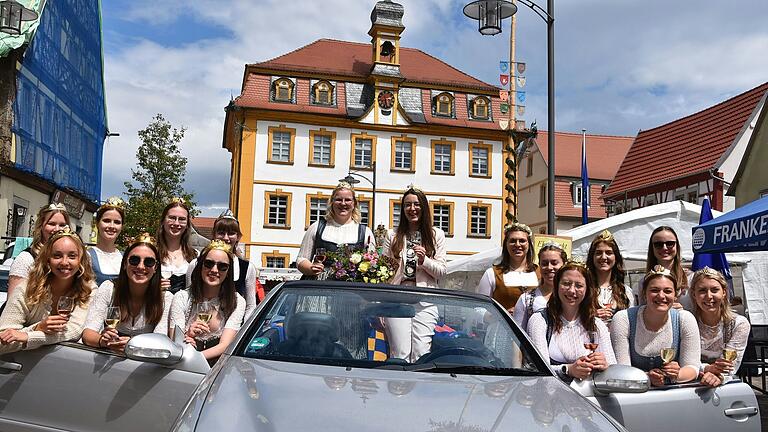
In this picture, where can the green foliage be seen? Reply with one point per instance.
(158, 177)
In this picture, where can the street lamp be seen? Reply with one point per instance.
(489, 14)
(350, 178)
(12, 14)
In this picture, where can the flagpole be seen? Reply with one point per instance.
(584, 180)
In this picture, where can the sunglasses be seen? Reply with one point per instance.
(668, 244)
(221, 266)
(135, 260)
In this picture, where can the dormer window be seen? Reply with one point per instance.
(323, 93)
(443, 105)
(480, 108)
(283, 90)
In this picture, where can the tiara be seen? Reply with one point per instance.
(218, 245)
(344, 185)
(145, 238)
(552, 244)
(178, 200)
(66, 231)
(55, 207)
(707, 271)
(413, 187)
(517, 226)
(605, 236)
(113, 203)
(577, 261)
(659, 270)
(227, 214)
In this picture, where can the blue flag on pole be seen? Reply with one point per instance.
(714, 261)
(584, 181)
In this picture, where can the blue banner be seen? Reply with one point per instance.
(742, 230)
(716, 261)
(584, 182)
(520, 96)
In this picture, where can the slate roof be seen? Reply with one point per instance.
(687, 146)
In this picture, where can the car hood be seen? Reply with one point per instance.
(261, 395)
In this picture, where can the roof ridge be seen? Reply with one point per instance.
(450, 66)
(711, 108)
(286, 54)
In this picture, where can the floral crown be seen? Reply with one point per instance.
(113, 203)
(517, 226)
(55, 207)
(64, 232)
(605, 236)
(218, 245)
(145, 238)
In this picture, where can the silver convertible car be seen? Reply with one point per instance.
(313, 357)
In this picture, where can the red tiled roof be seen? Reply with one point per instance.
(204, 226)
(687, 146)
(604, 154)
(353, 59)
(564, 201)
(256, 95)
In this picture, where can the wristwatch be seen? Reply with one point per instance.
(564, 370)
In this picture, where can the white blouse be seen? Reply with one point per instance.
(606, 295)
(22, 265)
(334, 233)
(184, 313)
(109, 262)
(712, 342)
(567, 345)
(102, 299)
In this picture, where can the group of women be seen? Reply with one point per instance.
(583, 318)
(59, 290)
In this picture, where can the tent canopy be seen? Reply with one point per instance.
(742, 230)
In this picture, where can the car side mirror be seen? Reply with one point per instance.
(154, 348)
(621, 379)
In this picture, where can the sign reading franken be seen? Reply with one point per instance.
(741, 230)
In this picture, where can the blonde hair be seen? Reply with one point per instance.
(43, 216)
(725, 306)
(38, 284)
(330, 213)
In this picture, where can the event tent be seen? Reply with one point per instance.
(632, 231)
(741, 230)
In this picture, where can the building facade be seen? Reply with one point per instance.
(54, 117)
(394, 116)
(751, 179)
(690, 158)
(604, 155)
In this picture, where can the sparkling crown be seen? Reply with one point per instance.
(113, 202)
(659, 270)
(218, 245)
(56, 207)
(178, 200)
(413, 187)
(517, 226)
(145, 238)
(577, 261)
(64, 232)
(552, 244)
(344, 185)
(706, 271)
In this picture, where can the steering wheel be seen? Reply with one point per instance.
(461, 355)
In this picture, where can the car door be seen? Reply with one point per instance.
(731, 407)
(73, 387)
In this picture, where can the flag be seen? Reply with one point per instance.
(520, 81)
(714, 261)
(504, 95)
(504, 79)
(520, 96)
(520, 68)
(584, 180)
(504, 107)
(503, 66)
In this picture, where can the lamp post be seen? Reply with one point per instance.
(350, 178)
(489, 14)
(12, 14)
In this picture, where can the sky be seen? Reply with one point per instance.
(621, 66)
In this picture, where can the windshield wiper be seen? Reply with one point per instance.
(469, 369)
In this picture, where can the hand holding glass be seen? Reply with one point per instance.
(204, 312)
(320, 256)
(594, 341)
(667, 355)
(112, 319)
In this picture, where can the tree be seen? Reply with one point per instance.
(158, 177)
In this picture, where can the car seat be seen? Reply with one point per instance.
(312, 334)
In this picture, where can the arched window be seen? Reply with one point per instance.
(283, 89)
(480, 108)
(443, 105)
(323, 93)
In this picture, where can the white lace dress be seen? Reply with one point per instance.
(567, 345)
(713, 340)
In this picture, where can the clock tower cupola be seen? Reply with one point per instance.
(386, 28)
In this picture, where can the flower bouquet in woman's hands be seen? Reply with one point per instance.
(359, 266)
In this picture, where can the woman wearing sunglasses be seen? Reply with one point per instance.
(173, 245)
(134, 299)
(664, 250)
(210, 311)
(105, 256)
(52, 305)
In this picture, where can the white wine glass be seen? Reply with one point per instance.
(729, 354)
(112, 318)
(204, 311)
(667, 355)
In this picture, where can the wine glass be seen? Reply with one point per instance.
(729, 354)
(667, 355)
(65, 306)
(204, 311)
(113, 317)
(594, 341)
(320, 256)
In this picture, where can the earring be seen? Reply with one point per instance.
(80, 271)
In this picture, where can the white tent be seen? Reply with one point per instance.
(632, 231)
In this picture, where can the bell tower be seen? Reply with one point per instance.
(386, 28)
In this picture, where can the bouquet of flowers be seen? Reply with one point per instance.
(359, 266)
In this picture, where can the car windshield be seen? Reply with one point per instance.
(357, 327)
